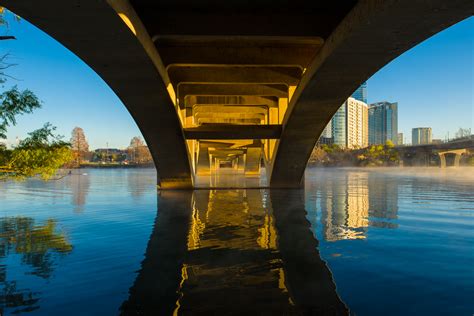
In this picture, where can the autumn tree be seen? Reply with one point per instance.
(79, 144)
(138, 151)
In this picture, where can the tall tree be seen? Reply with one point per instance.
(79, 144)
(138, 151)
(136, 142)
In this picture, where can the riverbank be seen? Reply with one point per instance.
(115, 165)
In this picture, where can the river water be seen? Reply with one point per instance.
(354, 241)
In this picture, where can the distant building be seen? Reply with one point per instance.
(421, 135)
(400, 139)
(327, 132)
(436, 141)
(383, 122)
(357, 123)
(361, 93)
(350, 124)
(338, 127)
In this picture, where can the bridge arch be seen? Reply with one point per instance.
(296, 63)
(369, 37)
(96, 34)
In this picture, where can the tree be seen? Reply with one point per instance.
(138, 151)
(79, 144)
(136, 142)
(42, 152)
(463, 132)
(3, 22)
(13, 103)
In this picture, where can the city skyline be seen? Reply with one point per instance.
(432, 84)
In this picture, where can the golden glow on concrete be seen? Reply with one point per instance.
(127, 21)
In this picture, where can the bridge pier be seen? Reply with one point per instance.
(457, 157)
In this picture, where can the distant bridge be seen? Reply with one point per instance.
(422, 154)
(232, 83)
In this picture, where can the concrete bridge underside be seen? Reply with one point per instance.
(232, 82)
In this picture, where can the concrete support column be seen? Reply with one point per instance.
(442, 160)
(457, 159)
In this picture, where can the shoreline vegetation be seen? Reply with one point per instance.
(107, 165)
(372, 156)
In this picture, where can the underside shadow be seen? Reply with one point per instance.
(230, 252)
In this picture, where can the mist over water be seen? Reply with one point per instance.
(376, 241)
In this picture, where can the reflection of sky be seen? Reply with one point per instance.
(416, 251)
(109, 238)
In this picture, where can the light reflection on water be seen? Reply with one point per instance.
(93, 243)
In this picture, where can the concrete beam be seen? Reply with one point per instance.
(191, 101)
(235, 74)
(186, 89)
(369, 37)
(229, 109)
(243, 18)
(237, 50)
(228, 131)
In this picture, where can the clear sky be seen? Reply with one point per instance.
(432, 83)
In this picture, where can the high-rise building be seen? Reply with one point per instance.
(338, 126)
(400, 139)
(421, 135)
(383, 122)
(350, 124)
(327, 132)
(357, 123)
(361, 93)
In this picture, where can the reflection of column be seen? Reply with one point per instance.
(154, 289)
(221, 253)
(308, 279)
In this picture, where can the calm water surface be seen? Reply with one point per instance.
(358, 241)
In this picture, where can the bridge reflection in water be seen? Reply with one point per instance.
(242, 252)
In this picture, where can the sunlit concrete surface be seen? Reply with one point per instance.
(226, 179)
(237, 83)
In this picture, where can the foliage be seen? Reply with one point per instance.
(138, 151)
(379, 155)
(136, 142)
(79, 145)
(42, 153)
(374, 155)
(14, 102)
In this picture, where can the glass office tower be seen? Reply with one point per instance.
(383, 122)
(361, 93)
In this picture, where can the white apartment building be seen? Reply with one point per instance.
(357, 123)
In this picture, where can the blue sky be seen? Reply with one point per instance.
(432, 83)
